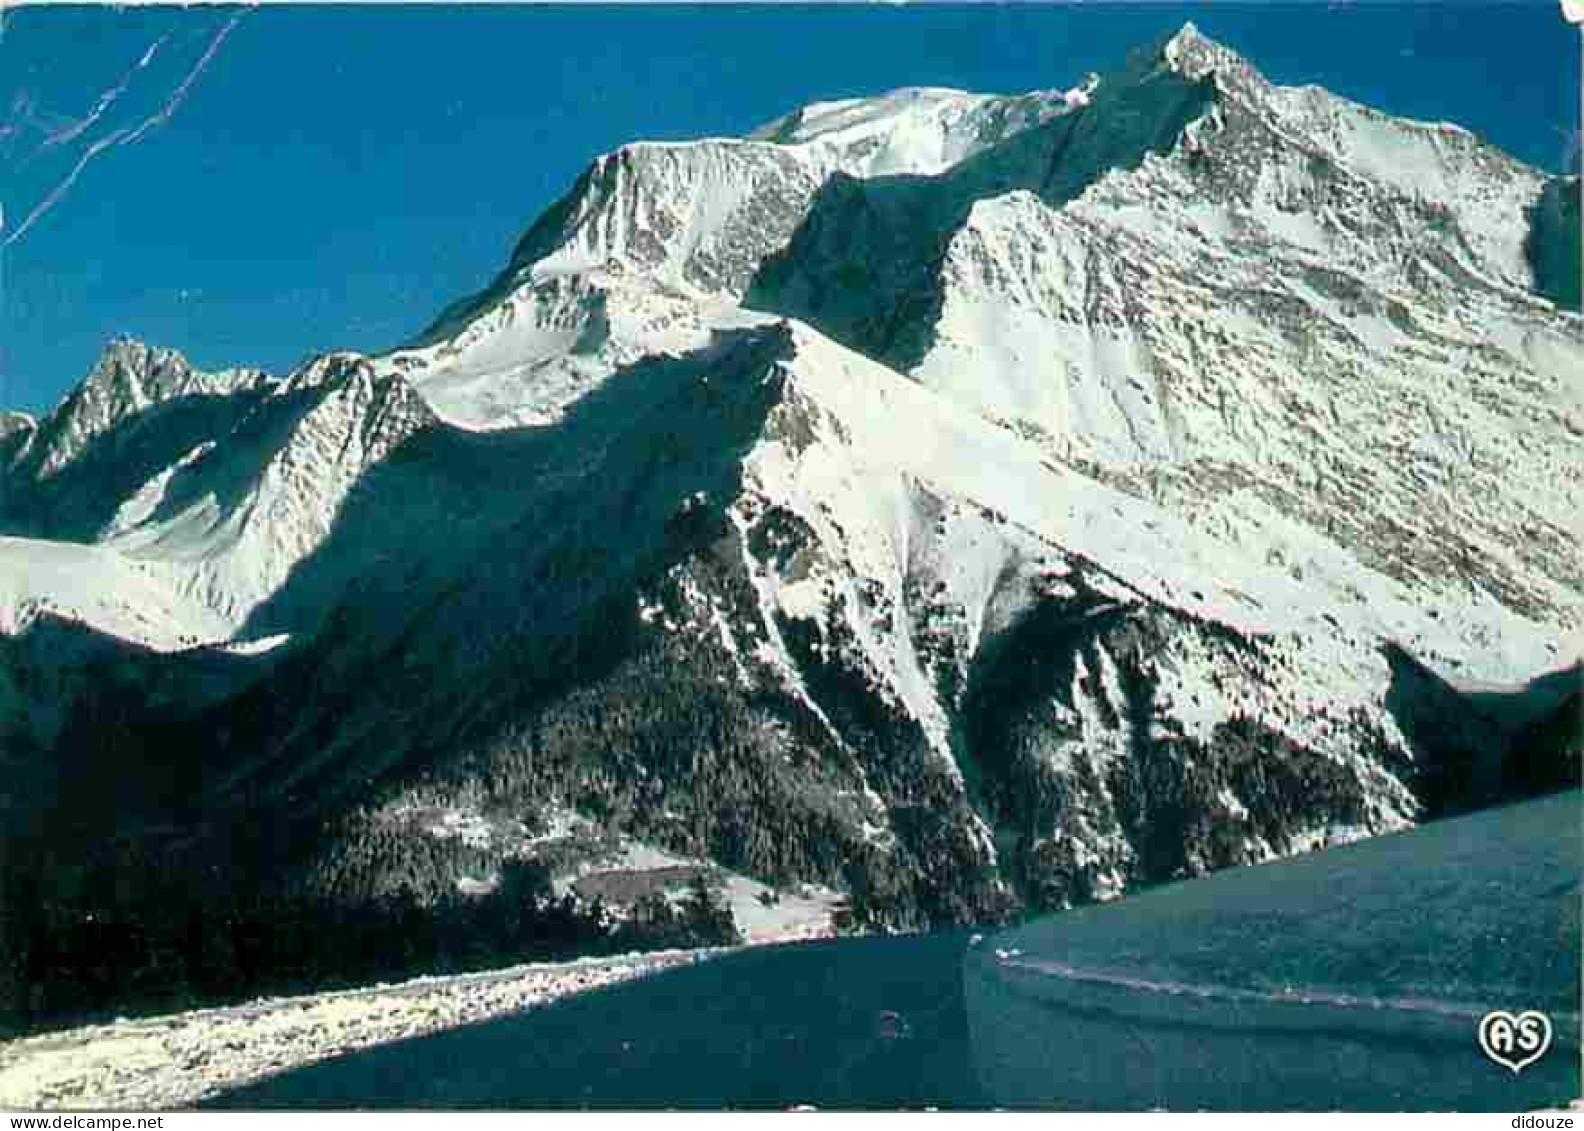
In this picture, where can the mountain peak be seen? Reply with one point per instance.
(1195, 56)
(1186, 38)
(137, 370)
(136, 374)
(1207, 388)
(130, 377)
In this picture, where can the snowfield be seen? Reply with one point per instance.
(103, 588)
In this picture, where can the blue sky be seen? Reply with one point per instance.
(278, 181)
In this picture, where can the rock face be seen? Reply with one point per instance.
(960, 502)
(1554, 242)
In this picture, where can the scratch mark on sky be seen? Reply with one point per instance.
(106, 100)
(127, 135)
(180, 96)
(27, 114)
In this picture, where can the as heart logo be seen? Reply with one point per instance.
(1515, 1041)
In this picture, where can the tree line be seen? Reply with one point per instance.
(133, 935)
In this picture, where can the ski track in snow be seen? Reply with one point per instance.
(1287, 995)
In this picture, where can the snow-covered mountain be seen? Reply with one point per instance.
(956, 501)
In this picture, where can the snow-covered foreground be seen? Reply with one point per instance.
(1352, 979)
(177, 1060)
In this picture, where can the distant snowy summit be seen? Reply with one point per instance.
(955, 501)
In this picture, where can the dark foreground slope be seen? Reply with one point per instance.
(1353, 978)
(1348, 979)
